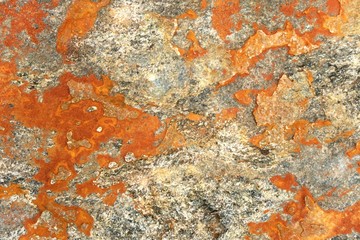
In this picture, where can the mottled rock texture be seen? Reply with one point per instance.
(167, 119)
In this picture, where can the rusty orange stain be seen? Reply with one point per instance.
(11, 190)
(295, 41)
(222, 17)
(354, 151)
(104, 160)
(111, 193)
(8, 94)
(333, 7)
(28, 17)
(288, 9)
(80, 19)
(203, 4)
(307, 220)
(227, 114)
(190, 14)
(244, 96)
(286, 183)
(62, 217)
(195, 50)
(194, 117)
(84, 114)
(251, 52)
(268, 77)
(309, 76)
(255, 140)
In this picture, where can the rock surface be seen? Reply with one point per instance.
(193, 119)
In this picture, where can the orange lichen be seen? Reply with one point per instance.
(84, 114)
(299, 131)
(191, 14)
(8, 95)
(244, 96)
(222, 17)
(227, 114)
(104, 160)
(194, 51)
(309, 76)
(111, 193)
(354, 151)
(203, 4)
(11, 190)
(62, 216)
(296, 42)
(286, 183)
(333, 7)
(79, 20)
(194, 117)
(27, 17)
(288, 9)
(251, 52)
(255, 140)
(308, 220)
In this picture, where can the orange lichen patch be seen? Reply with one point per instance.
(79, 20)
(191, 14)
(111, 193)
(222, 17)
(268, 77)
(288, 9)
(227, 114)
(354, 151)
(8, 95)
(299, 131)
(286, 183)
(194, 51)
(296, 41)
(308, 220)
(62, 217)
(27, 17)
(250, 53)
(11, 190)
(115, 190)
(203, 4)
(309, 76)
(194, 117)
(270, 227)
(104, 160)
(244, 96)
(333, 7)
(83, 113)
(255, 140)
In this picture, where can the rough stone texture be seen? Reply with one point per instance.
(194, 119)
